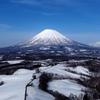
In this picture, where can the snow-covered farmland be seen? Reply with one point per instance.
(60, 70)
(14, 85)
(65, 87)
(14, 61)
(79, 69)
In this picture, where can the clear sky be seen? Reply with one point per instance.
(78, 20)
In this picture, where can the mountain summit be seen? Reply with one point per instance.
(47, 37)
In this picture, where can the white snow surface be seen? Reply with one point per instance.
(47, 37)
(83, 50)
(14, 61)
(21, 71)
(97, 44)
(65, 87)
(79, 69)
(69, 49)
(36, 94)
(0, 80)
(14, 85)
(60, 70)
(77, 60)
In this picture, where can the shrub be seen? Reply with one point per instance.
(1, 83)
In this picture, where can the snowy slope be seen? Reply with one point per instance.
(79, 69)
(65, 87)
(47, 37)
(97, 44)
(14, 85)
(36, 94)
(14, 61)
(60, 70)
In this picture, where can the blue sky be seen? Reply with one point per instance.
(78, 20)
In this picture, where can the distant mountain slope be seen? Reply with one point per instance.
(97, 44)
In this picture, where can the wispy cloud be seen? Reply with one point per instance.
(83, 7)
(48, 2)
(50, 14)
(31, 2)
(43, 13)
(4, 26)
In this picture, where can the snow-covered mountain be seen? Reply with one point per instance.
(97, 44)
(47, 37)
(50, 42)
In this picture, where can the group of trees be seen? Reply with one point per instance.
(9, 69)
(58, 96)
(92, 93)
(43, 84)
(1, 83)
(91, 64)
(43, 80)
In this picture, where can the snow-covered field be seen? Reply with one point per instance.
(36, 94)
(65, 87)
(60, 70)
(79, 69)
(14, 61)
(14, 85)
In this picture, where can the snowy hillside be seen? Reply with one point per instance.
(97, 44)
(14, 85)
(14, 61)
(50, 79)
